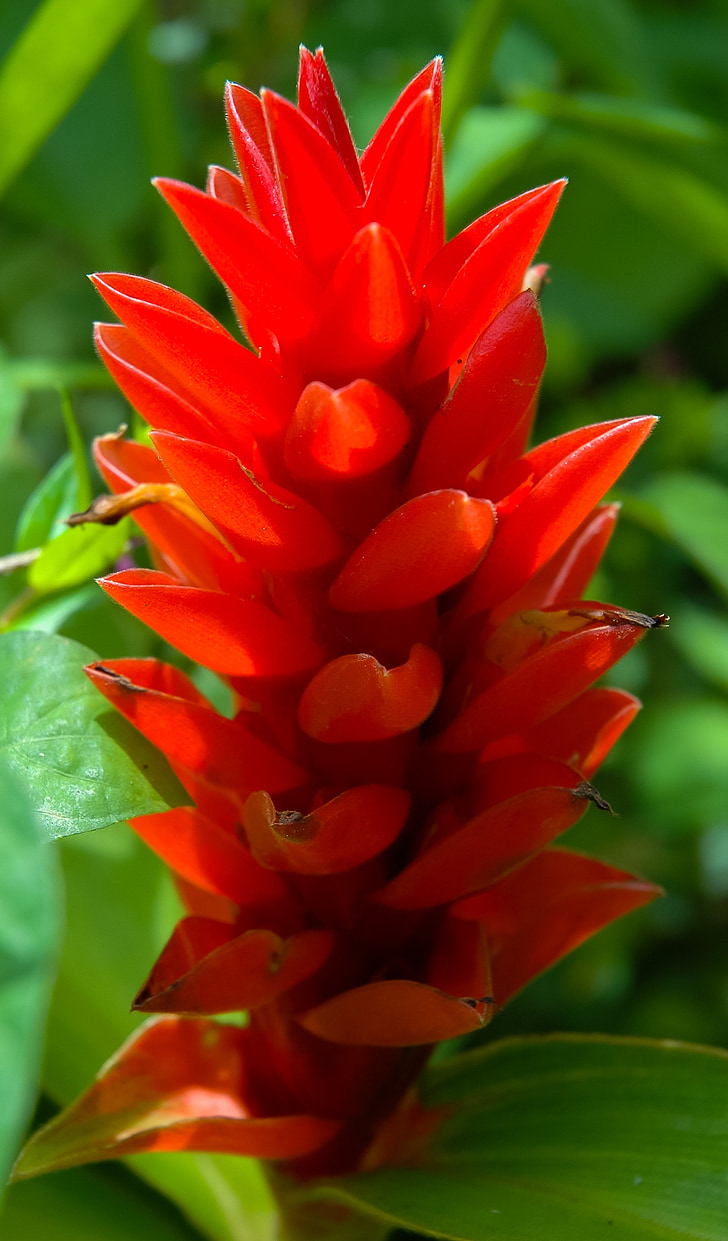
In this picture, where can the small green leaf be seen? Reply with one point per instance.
(84, 765)
(50, 615)
(469, 60)
(56, 55)
(78, 555)
(565, 1138)
(46, 508)
(691, 510)
(30, 913)
(78, 451)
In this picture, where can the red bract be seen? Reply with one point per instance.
(346, 525)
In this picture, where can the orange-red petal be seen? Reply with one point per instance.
(392, 1013)
(355, 698)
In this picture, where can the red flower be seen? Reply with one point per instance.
(347, 526)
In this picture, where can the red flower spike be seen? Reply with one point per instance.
(156, 395)
(546, 909)
(344, 434)
(228, 383)
(209, 857)
(324, 540)
(174, 1085)
(249, 136)
(401, 185)
(539, 687)
(486, 848)
(184, 539)
(486, 282)
(355, 698)
(393, 1013)
(321, 199)
(205, 968)
(552, 511)
(569, 571)
(336, 836)
(191, 734)
(583, 733)
(319, 101)
(501, 375)
(265, 523)
(422, 549)
(429, 79)
(233, 636)
(370, 311)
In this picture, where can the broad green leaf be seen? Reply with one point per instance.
(630, 118)
(84, 765)
(490, 144)
(565, 1138)
(58, 52)
(78, 555)
(679, 768)
(675, 198)
(702, 639)
(89, 1204)
(46, 508)
(30, 914)
(469, 60)
(50, 615)
(691, 510)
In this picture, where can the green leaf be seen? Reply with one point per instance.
(30, 914)
(89, 1204)
(702, 639)
(50, 615)
(78, 451)
(469, 60)
(12, 399)
(490, 144)
(675, 198)
(58, 52)
(46, 508)
(84, 765)
(561, 1138)
(629, 118)
(691, 510)
(602, 38)
(78, 555)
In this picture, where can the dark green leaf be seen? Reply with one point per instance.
(691, 510)
(702, 639)
(90, 1205)
(78, 555)
(54, 499)
(630, 118)
(84, 765)
(567, 1138)
(78, 451)
(57, 53)
(491, 143)
(30, 913)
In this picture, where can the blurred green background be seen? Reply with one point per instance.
(630, 101)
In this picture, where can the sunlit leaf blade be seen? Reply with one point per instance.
(78, 555)
(566, 1138)
(57, 53)
(691, 510)
(84, 766)
(30, 913)
(629, 118)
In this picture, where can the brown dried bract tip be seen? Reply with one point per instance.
(610, 615)
(589, 793)
(472, 1002)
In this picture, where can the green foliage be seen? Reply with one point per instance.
(84, 766)
(562, 1138)
(30, 915)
